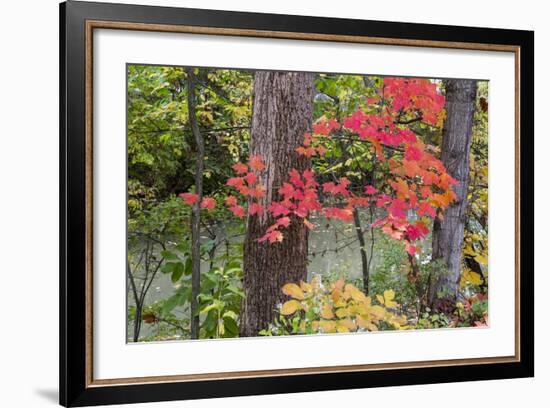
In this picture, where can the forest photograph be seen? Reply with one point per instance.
(275, 203)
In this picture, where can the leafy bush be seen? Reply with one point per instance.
(335, 308)
(220, 301)
(472, 311)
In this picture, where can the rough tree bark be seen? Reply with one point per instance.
(282, 113)
(448, 235)
(195, 212)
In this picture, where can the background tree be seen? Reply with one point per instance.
(195, 214)
(282, 114)
(476, 231)
(448, 234)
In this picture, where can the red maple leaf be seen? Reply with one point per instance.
(283, 222)
(240, 168)
(250, 178)
(235, 182)
(231, 201)
(398, 208)
(425, 208)
(189, 198)
(287, 190)
(272, 236)
(255, 208)
(278, 209)
(238, 211)
(208, 202)
(343, 214)
(370, 190)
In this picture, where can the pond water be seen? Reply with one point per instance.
(333, 247)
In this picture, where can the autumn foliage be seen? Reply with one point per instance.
(304, 203)
(337, 307)
(415, 189)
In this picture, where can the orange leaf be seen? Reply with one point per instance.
(256, 163)
(293, 290)
(290, 307)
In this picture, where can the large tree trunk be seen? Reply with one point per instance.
(448, 235)
(283, 106)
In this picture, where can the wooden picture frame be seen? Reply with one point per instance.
(78, 20)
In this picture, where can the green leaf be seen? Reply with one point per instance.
(203, 297)
(168, 267)
(170, 304)
(233, 271)
(177, 273)
(231, 314)
(231, 327)
(183, 246)
(215, 305)
(168, 255)
(235, 290)
(188, 269)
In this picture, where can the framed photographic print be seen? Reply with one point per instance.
(255, 203)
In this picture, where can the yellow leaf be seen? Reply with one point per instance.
(293, 290)
(328, 326)
(388, 299)
(336, 295)
(475, 278)
(347, 323)
(380, 299)
(306, 287)
(355, 293)
(342, 312)
(402, 319)
(354, 309)
(365, 324)
(378, 312)
(372, 327)
(469, 251)
(363, 308)
(469, 276)
(346, 295)
(327, 313)
(339, 284)
(340, 303)
(341, 329)
(290, 307)
(397, 321)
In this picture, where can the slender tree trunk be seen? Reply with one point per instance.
(195, 214)
(283, 106)
(448, 234)
(362, 250)
(137, 316)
